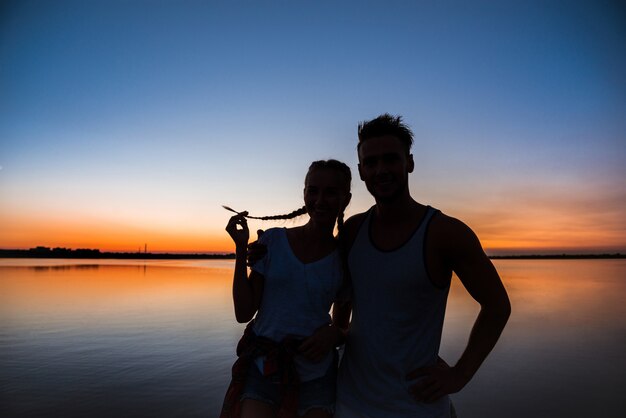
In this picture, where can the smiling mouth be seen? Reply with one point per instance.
(384, 179)
(322, 211)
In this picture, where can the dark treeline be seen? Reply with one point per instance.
(556, 256)
(45, 252)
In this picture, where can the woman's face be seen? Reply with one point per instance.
(326, 195)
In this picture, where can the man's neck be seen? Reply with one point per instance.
(397, 211)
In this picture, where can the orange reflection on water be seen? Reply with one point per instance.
(552, 301)
(105, 293)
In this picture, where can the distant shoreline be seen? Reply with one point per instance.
(44, 252)
(557, 256)
(41, 252)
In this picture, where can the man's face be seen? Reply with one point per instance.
(384, 166)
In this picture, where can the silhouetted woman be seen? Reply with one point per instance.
(286, 358)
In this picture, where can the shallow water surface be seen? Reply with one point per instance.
(131, 338)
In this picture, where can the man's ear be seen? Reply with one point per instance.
(360, 174)
(410, 163)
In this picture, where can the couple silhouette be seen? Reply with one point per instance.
(386, 276)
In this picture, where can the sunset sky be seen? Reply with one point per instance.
(124, 123)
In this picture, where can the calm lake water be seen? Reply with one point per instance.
(132, 338)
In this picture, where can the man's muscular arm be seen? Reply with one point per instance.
(468, 260)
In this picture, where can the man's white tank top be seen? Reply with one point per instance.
(396, 326)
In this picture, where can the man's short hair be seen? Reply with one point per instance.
(386, 124)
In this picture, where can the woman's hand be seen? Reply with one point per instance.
(319, 344)
(256, 250)
(237, 228)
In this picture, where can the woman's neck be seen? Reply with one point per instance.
(311, 242)
(321, 233)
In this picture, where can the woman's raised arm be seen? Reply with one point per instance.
(247, 291)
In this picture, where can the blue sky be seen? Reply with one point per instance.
(146, 116)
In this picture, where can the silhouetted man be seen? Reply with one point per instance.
(401, 256)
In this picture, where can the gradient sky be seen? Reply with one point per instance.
(130, 122)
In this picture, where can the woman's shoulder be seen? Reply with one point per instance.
(270, 235)
(270, 243)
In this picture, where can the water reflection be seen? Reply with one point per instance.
(567, 329)
(119, 293)
(157, 338)
(117, 340)
(64, 267)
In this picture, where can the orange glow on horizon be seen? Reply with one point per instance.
(24, 233)
(500, 233)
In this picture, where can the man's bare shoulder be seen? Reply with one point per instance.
(446, 223)
(351, 227)
(355, 220)
(449, 233)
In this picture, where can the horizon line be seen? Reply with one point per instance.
(83, 252)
